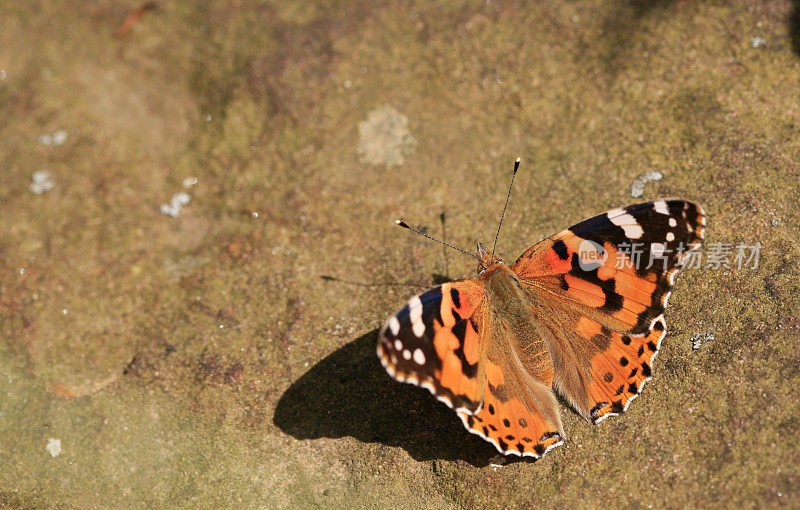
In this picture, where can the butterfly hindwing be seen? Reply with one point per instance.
(600, 371)
(619, 371)
(519, 414)
(435, 342)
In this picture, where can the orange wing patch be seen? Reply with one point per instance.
(459, 351)
(506, 422)
(620, 368)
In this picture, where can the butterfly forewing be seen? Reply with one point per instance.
(435, 341)
(619, 266)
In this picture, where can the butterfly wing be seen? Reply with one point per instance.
(519, 414)
(601, 308)
(435, 342)
(448, 341)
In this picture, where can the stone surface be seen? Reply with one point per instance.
(226, 357)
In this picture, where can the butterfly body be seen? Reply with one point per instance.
(565, 317)
(510, 314)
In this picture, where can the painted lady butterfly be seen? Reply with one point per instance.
(576, 313)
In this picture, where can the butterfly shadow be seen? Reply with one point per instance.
(349, 394)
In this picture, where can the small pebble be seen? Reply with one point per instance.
(758, 42)
(59, 137)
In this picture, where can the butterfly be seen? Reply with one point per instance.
(579, 313)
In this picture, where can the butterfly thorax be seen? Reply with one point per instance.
(501, 282)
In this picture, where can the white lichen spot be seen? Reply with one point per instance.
(758, 42)
(176, 203)
(53, 446)
(59, 137)
(698, 339)
(637, 187)
(41, 182)
(54, 139)
(384, 138)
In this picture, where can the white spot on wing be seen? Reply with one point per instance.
(415, 314)
(398, 345)
(419, 357)
(627, 222)
(406, 354)
(671, 276)
(670, 237)
(394, 326)
(657, 249)
(673, 222)
(661, 207)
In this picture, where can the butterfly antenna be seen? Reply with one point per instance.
(403, 224)
(508, 197)
(444, 236)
